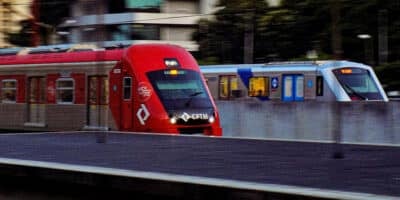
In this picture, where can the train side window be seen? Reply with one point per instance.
(93, 96)
(320, 86)
(224, 87)
(234, 92)
(104, 91)
(228, 87)
(36, 90)
(9, 91)
(259, 87)
(299, 94)
(65, 91)
(127, 86)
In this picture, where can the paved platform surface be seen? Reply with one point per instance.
(364, 168)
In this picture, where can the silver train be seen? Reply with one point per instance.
(341, 81)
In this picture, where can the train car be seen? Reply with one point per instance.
(341, 81)
(146, 88)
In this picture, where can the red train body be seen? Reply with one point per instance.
(146, 88)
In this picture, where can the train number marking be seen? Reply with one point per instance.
(142, 114)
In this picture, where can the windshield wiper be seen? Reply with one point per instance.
(191, 96)
(354, 92)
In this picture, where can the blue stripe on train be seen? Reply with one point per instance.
(245, 74)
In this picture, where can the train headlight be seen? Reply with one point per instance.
(171, 62)
(173, 120)
(211, 119)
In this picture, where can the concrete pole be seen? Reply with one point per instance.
(100, 32)
(383, 37)
(337, 131)
(248, 45)
(336, 30)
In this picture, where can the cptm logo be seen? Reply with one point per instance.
(185, 116)
(144, 91)
(142, 114)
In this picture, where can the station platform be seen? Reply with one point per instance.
(182, 166)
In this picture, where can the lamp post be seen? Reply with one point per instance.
(368, 48)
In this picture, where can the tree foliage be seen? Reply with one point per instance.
(221, 40)
(298, 26)
(52, 13)
(388, 75)
(24, 36)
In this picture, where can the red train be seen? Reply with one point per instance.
(145, 88)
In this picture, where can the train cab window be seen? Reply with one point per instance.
(127, 86)
(65, 91)
(9, 91)
(358, 83)
(228, 87)
(259, 87)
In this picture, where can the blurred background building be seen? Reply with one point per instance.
(118, 21)
(12, 13)
(128, 21)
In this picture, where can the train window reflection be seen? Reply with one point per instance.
(98, 90)
(127, 88)
(288, 84)
(104, 92)
(228, 85)
(320, 86)
(65, 90)
(259, 86)
(9, 91)
(37, 87)
(299, 87)
(93, 97)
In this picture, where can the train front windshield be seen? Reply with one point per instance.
(180, 89)
(358, 83)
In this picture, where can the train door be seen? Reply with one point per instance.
(36, 100)
(293, 87)
(126, 105)
(97, 111)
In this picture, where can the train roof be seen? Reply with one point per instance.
(62, 57)
(76, 53)
(62, 53)
(282, 66)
